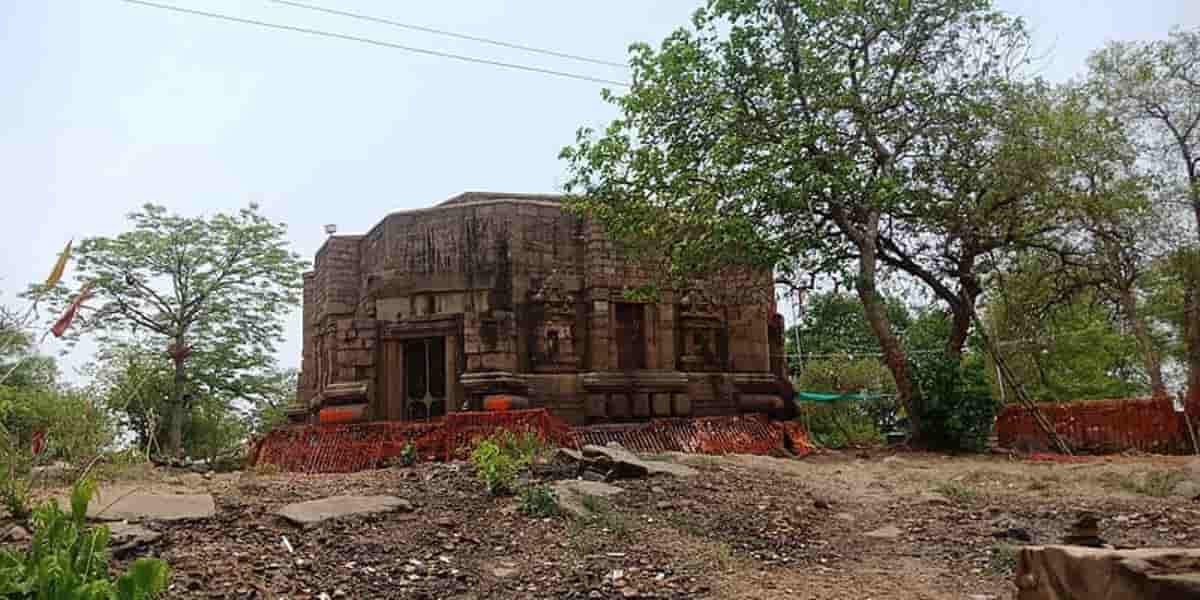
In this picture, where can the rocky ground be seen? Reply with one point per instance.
(832, 525)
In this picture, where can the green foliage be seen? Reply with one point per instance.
(834, 323)
(1156, 483)
(958, 408)
(136, 387)
(496, 467)
(502, 457)
(1002, 559)
(67, 560)
(842, 423)
(1061, 344)
(15, 494)
(408, 455)
(74, 422)
(538, 501)
(216, 289)
(958, 492)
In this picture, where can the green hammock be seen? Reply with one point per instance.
(817, 397)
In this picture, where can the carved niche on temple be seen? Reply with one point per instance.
(703, 344)
(553, 347)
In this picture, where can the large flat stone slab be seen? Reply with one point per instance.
(572, 492)
(316, 511)
(1079, 573)
(147, 506)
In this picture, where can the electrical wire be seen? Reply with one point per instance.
(461, 36)
(375, 42)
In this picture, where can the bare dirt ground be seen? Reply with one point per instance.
(745, 527)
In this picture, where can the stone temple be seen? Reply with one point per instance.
(488, 301)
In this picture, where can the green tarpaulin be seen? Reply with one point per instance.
(816, 397)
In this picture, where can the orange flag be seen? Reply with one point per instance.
(59, 266)
(64, 322)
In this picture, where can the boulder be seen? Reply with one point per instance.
(1078, 573)
(145, 506)
(623, 464)
(571, 494)
(310, 513)
(127, 537)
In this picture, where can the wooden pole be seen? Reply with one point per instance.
(1019, 391)
(1187, 420)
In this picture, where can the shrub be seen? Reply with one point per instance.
(408, 455)
(539, 501)
(14, 479)
(67, 559)
(75, 424)
(958, 492)
(840, 424)
(498, 469)
(958, 410)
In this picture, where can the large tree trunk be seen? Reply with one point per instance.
(1191, 298)
(876, 314)
(1150, 357)
(175, 410)
(963, 315)
(1191, 324)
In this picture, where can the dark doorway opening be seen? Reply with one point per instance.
(631, 336)
(425, 377)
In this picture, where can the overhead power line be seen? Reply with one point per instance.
(374, 42)
(461, 36)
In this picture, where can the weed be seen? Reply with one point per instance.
(595, 504)
(14, 496)
(495, 467)
(685, 522)
(68, 559)
(702, 460)
(1157, 484)
(958, 492)
(602, 515)
(1044, 483)
(408, 455)
(539, 501)
(1002, 559)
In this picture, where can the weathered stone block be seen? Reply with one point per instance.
(597, 406)
(662, 405)
(681, 404)
(641, 405)
(1078, 573)
(618, 406)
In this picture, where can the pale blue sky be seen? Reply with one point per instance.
(107, 105)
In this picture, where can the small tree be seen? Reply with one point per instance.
(209, 293)
(1154, 87)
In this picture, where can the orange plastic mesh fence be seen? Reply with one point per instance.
(353, 447)
(751, 434)
(1099, 426)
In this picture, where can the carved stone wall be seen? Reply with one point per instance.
(541, 312)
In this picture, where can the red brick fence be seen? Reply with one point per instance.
(1103, 426)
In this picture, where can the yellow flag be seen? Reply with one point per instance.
(59, 267)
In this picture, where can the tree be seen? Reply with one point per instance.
(208, 293)
(795, 135)
(21, 366)
(833, 323)
(1061, 342)
(1155, 87)
(270, 409)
